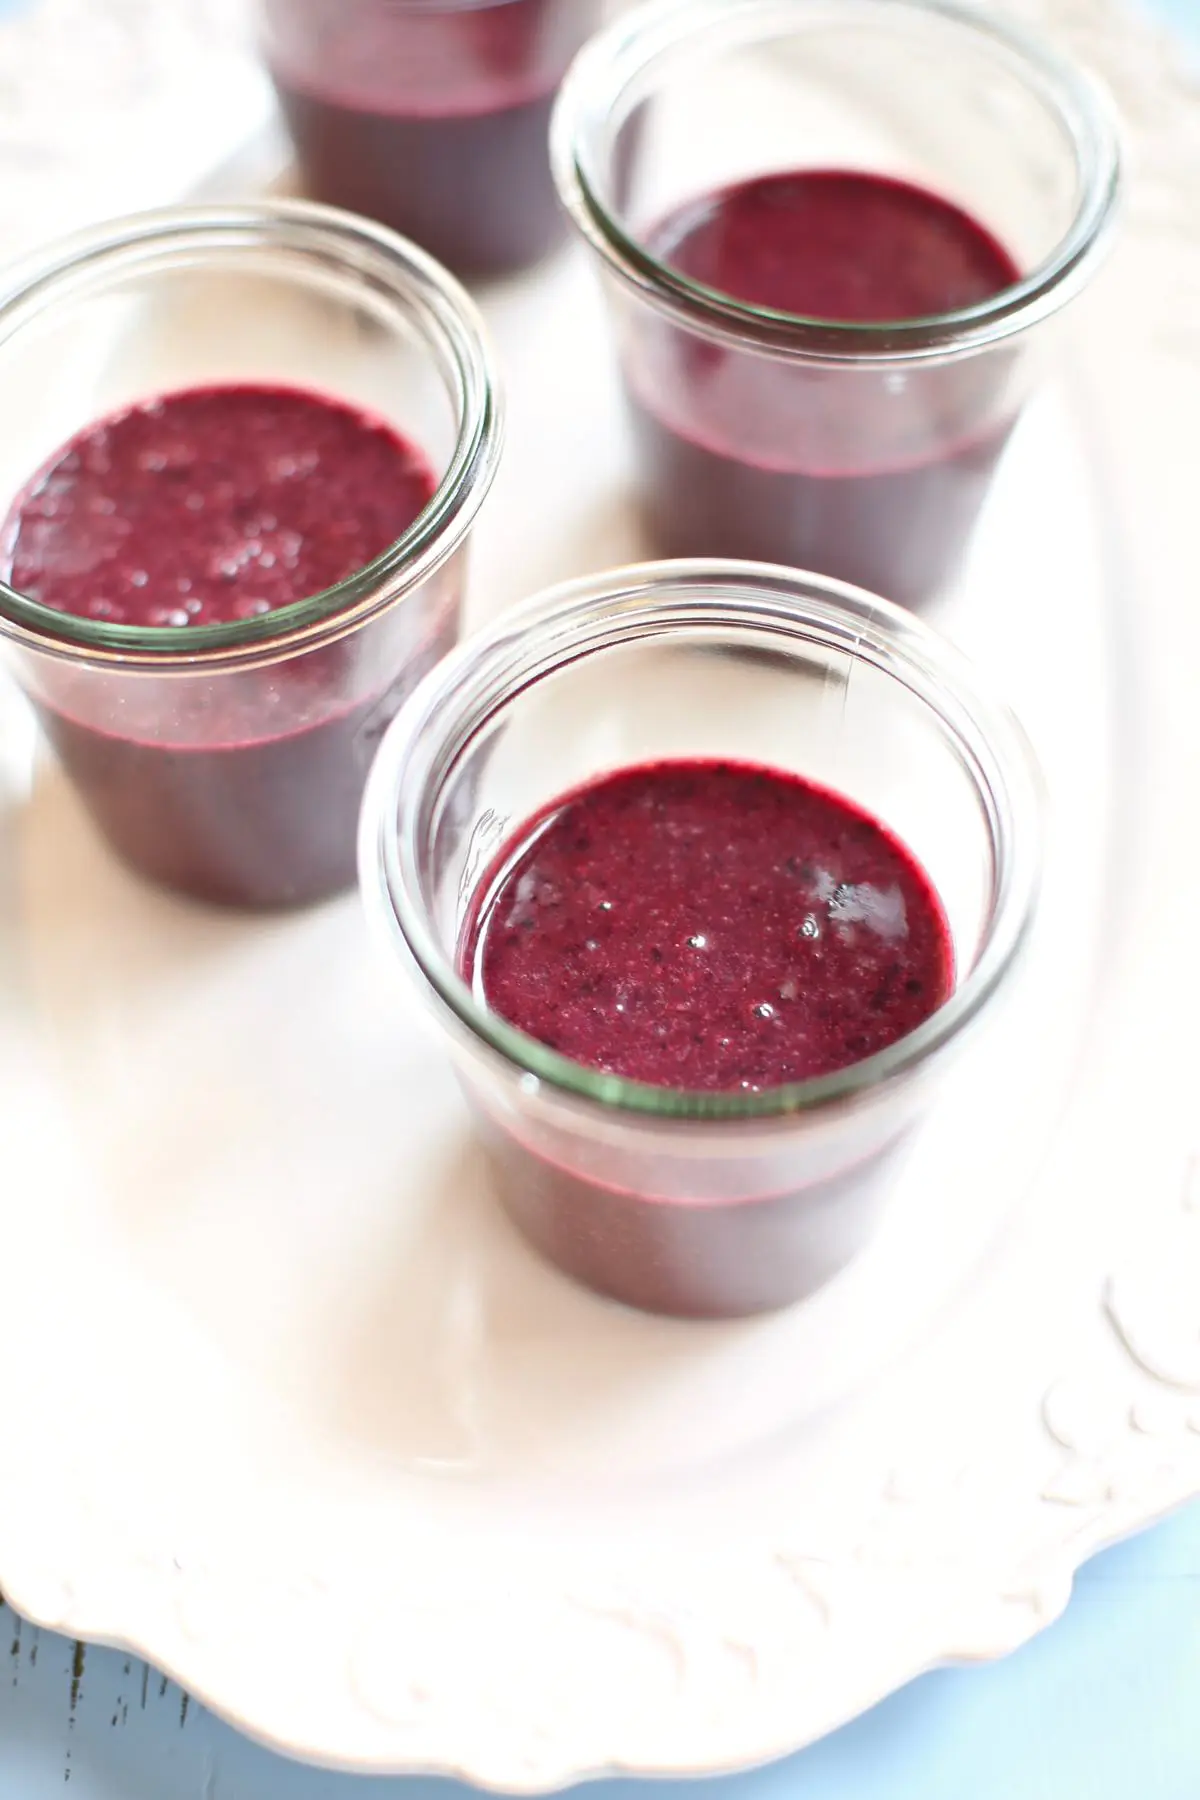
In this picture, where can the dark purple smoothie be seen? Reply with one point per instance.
(869, 473)
(210, 506)
(432, 117)
(706, 927)
(710, 926)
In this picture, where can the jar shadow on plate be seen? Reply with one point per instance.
(247, 1102)
(272, 1145)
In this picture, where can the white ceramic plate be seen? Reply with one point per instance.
(285, 1405)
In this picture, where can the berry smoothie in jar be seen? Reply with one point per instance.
(835, 236)
(431, 115)
(217, 593)
(702, 871)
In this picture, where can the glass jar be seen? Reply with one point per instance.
(431, 115)
(861, 449)
(227, 760)
(698, 1204)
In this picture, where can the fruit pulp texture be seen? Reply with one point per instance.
(211, 506)
(874, 474)
(434, 120)
(712, 927)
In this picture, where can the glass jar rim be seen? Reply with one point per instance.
(179, 236)
(652, 599)
(614, 60)
(448, 6)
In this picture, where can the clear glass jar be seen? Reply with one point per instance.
(698, 1204)
(431, 115)
(227, 760)
(863, 450)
